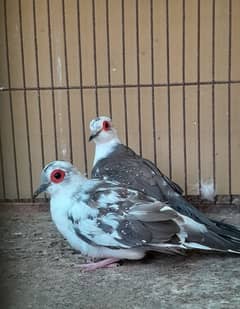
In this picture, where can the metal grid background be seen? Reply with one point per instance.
(154, 66)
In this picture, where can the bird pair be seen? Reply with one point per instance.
(129, 207)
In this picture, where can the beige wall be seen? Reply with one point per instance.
(39, 124)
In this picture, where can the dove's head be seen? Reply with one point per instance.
(59, 176)
(102, 130)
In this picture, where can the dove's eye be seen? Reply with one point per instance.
(57, 176)
(106, 125)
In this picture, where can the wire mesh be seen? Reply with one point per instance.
(56, 23)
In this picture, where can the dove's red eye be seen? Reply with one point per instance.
(106, 125)
(57, 176)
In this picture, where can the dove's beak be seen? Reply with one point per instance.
(92, 136)
(43, 187)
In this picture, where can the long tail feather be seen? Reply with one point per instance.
(227, 230)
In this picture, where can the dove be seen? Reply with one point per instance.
(117, 162)
(109, 222)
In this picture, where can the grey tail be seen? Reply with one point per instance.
(227, 230)
(213, 240)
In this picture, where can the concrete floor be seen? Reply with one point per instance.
(39, 270)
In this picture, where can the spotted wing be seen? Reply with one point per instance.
(126, 167)
(116, 223)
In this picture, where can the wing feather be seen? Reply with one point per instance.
(126, 167)
(122, 218)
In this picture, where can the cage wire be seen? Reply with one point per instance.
(72, 39)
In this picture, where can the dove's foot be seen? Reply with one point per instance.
(106, 263)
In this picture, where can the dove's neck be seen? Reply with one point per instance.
(104, 149)
(63, 199)
(70, 205)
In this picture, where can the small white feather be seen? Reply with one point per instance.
(207, 190)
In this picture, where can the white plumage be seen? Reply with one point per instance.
(207, 190)
(104, 220)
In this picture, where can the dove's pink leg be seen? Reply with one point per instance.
(106, 263)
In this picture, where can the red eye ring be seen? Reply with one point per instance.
(106, 125)
(57, 176)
